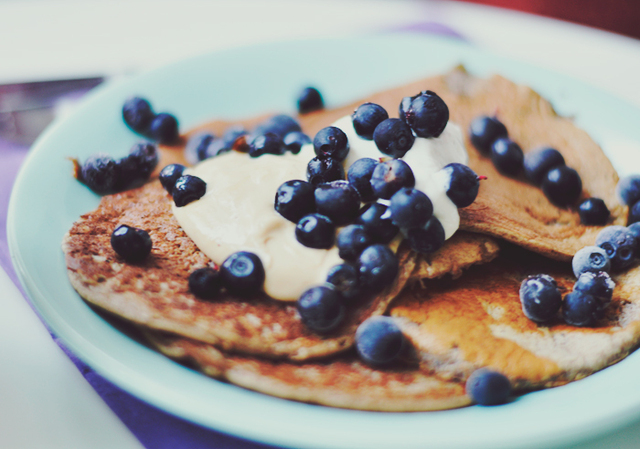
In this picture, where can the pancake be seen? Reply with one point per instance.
(477, 321)
(343, 381)
(507, 207)
(461, 251)
(156, 294)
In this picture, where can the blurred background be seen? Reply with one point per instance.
(618, 16)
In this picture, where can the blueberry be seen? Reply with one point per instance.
(352, 240)
(379, 340)
(463, 185)
(197, 147)
(344, 279)
(170, 174)
(390, 176)
(427, 115)
(562, 186)
(590, 258)
(359, 176)
(485, 130)
(593, 212)
(487, 387)
(231, 134)
(331, 142)
(393, 137)
(410, 208)
(598, 284)
(100, 173)
(628, 189)
(634, 213)
(136, 168)
(428, 239)
(321, 309)
(164, 128)
(619, 245)
(366, 117)
(404, 106)
(310, 100)
(537, 163)
(293, 141)
(242, 274)
(380, 230)
(316, 231)
(268, 143)
(280, 125)
(295, 199)
(205, 283)
(146, 158)
(634, 229)
(338, 200)
(507, 156)
(137, 114)
(188, 188)
(580, 308)
(324, 170)
(132, 244)
(378, 267)
(540, 297)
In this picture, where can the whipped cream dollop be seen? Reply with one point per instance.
(237, 211)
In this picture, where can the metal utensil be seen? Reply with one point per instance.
(26, 109)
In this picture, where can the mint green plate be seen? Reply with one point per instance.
(46, 200)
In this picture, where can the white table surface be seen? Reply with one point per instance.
(44, 400)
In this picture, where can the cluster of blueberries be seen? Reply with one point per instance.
(104, 174)
(616, 248)
(544, 167)
(140, 118)
(327, 200)
(276, 135)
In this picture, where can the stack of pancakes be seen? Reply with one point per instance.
(456, 321)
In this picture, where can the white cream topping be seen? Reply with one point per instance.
(237, 214)
(237, 211)
(426, 158)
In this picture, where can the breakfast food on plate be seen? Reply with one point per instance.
(343, 381)
(261, 265)
(458, 327)
(156, 293)
(512, 207)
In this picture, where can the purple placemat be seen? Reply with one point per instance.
(154, 428)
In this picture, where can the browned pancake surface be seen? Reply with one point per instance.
(477, 320)
(509, 208)
(461, 251)
(343, 381)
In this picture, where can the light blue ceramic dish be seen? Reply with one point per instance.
(247, 81)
